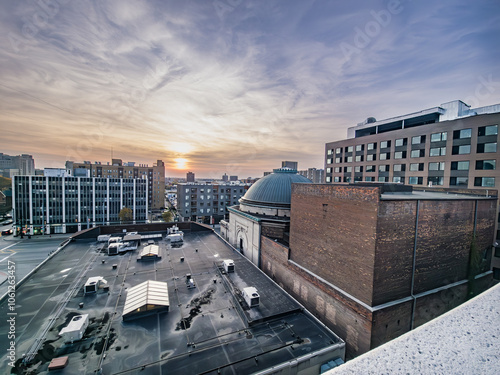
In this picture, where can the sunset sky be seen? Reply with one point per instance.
(230, 86)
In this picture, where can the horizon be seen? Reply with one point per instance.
(230, 86)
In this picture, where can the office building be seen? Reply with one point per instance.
(313, 174)
(190, 177)
(155, 175)
(46, 205)
(207, 203)
(450, 146)
(16, 165)
(374, 261)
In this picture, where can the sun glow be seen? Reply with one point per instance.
(180, 163)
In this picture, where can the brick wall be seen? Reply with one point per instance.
(333, 232)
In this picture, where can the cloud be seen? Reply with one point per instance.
(245, 86)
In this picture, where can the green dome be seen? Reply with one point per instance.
(273, 190)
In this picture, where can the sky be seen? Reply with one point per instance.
(230, 86)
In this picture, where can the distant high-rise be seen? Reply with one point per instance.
(290, 164)
(233, 178)
(315, 175)
(190, 177)
(17, 165)
(225, 177)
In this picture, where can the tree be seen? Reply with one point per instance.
(125, 215)
(167, 216)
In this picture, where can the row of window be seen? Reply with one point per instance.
(420, 139)
(419, 180)
(481, 148)
(433, 166)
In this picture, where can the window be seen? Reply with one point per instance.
(417, 140)
(398, 180)
(486, 164)
(358, 169)
(336, 179)
(347, 169)
(484, 181)
(348, 159)
(437, 137)
(436, 166)
(385, 156)
(459, 181)
(399, 167)
(431, 181)
(348, 149)
(400, 155)
(417, 153)
(347, 179)
(338, 150)
(360, 147)
(460, 166)
(487, 130)
(328, 170)
(371, 157)
(416, 167)
(486, 147)
(400, 142)
(337, 169)
(461, 150)
(359, 158)
(461, 134)
(383, 179)
(385, 144)
(437, 151)
(371, 146)
(369, 179)
(383, 168)
(329, 152)
(370, 168)
(338, 160)
(328, 179)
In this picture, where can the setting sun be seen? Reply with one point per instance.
(180, 163)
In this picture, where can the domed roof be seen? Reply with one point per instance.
(273, 190)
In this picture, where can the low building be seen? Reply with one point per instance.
(374, 261)
(263, 210)
(45, 205)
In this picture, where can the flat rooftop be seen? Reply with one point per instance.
(207, 330)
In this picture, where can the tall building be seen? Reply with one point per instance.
(155, 175)
(374, 261)
(290, 164)
(313, 174)
(17, 165)
(207, 203)
(190, 177)
(450, 146)
(48, 205)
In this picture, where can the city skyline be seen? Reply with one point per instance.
(230, 86)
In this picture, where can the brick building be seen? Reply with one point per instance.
(375, 261)
(155, 175)
(451, 145)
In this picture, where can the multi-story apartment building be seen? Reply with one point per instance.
(450, 146)
(207, 203)
(155, 175)
(48, 205)
(313, 174)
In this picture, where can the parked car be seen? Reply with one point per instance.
(7, 222)
(7, 232)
